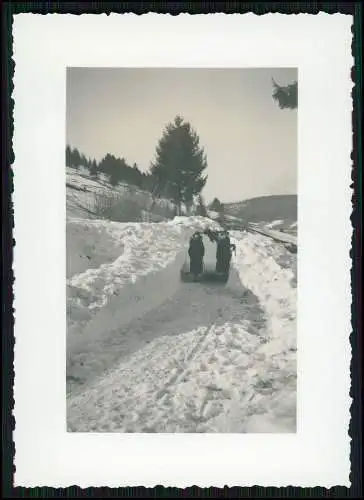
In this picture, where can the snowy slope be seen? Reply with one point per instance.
(265, 209)
(85, 195)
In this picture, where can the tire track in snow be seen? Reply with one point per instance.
(164, 392)
(177, 377)
(142, 398)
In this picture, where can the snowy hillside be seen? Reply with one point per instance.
(279, 212)
(97, 198)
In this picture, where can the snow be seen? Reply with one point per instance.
(120, 256)
(195, 223)
(275, 287)
(147, 353)
(277, 235)
(85, 193)
(274, 223)
(141, 251)
(232, 375)
(212, 214)
(91, 243)
(259, 269)
(80, 179)
(144, 251)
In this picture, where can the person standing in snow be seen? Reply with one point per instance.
(196, 253)
(224, 253)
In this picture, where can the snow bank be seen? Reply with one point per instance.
(91, 243)
(212, 214)
(144, 251)
(144, 248)
(257, 262)
(196, 223)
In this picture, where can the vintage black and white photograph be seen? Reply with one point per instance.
(181, 191)
(182, 269)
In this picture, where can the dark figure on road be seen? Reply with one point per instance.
(223, 254)
(196, 253)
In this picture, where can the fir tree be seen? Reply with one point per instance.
(180, 163)
(110, 166)
(216, 205)
(68, 156)
(201, 207)
(75, 158)
(94, 169)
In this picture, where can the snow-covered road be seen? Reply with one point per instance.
(166, 356)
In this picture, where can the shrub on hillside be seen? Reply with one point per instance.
(163, 210)
(119, 209)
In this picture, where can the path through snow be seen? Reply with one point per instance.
(193, 339)
(205, 359)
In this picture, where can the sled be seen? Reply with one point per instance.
(209, 275)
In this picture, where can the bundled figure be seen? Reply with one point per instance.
(224, 253)
(196, 253)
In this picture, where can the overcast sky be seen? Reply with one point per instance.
(250, 143)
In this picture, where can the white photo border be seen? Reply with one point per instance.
(320, 47)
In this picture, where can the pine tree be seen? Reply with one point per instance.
(111, 167)
(180, 163)
(94, 170)
(201, 207)
(286, 96)
(83, 160)
(216, 205)
(137, 175)
(68, 156)
(75, 158)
